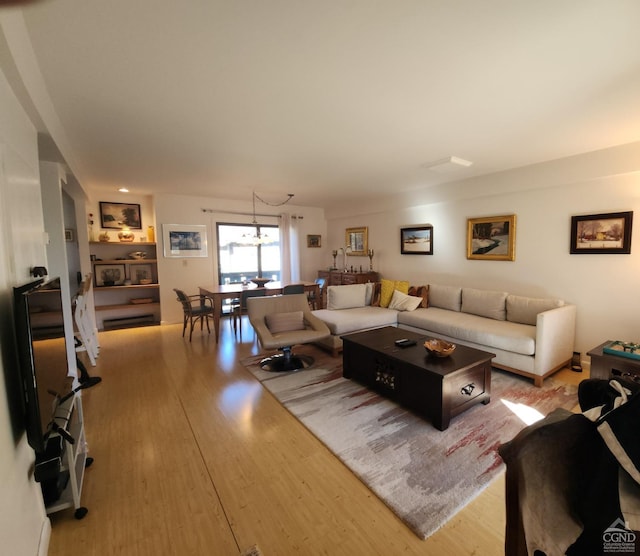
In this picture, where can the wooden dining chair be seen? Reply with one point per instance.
(291, 289)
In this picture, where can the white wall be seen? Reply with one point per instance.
(189, 274)
(602, 286)
(24, 527)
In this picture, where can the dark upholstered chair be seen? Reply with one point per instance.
(240, 308)
(290, 289)
(282, 321)
(195, 308)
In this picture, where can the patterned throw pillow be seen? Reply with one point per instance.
(388, 286)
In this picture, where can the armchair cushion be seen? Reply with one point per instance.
(285, 322)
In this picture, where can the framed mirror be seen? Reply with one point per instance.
(356, 239)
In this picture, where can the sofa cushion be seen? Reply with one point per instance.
(504, 335)
(484, 303)
(403, 302)
(421, 291)
(525, 309)
(284, 322)
(360, 318)
(445, 297)
(387, 287)
(346, 297)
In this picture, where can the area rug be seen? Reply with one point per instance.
(424, 475)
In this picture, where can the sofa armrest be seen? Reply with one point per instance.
(555, 335)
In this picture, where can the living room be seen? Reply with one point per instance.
(600, 174)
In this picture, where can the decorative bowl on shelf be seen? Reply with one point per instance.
(125, 236)
(145, 281)
(260, 282)
(439, 348)
(137, 255)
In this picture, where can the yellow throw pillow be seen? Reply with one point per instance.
(387, 288)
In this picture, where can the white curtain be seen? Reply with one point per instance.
(289, 249)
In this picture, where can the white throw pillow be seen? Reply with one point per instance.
(403, 302)
(346, 297)
(284, 322)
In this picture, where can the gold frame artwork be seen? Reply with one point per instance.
(356, 239)
(492, 238)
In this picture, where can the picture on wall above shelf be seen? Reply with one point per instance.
(599, 234)
(118, 216)
(184, 240)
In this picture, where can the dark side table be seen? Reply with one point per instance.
(606, 366)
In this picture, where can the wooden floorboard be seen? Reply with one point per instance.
(193, 456)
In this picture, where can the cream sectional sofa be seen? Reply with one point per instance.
(530, 336)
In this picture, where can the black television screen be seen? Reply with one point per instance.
(42, 356)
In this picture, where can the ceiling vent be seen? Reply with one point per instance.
(446, 165)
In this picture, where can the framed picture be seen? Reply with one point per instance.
(492, 238)
(184, 240)
(109, 274)
(120, 215)
(416, 240)
(601, 233)
(141, 274)
(313, 240)
(356, 239)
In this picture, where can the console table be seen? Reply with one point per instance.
(340, 278)
(607, 366)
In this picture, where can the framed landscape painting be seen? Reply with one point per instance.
(184, 240)
(416, 240)
(608, 233)
(120, 215)
(492, 238)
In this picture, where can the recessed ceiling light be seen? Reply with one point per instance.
(123, 190)
(448, 164)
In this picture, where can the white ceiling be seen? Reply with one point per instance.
(334, 99)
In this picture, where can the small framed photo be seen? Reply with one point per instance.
(608, 233)
(184, 240)
(141, 274)
(109, 274)
(416, 240)
(117, 216)
(69, 236)
(492, 238)
(313, 240)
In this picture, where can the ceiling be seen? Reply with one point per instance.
(330, 100)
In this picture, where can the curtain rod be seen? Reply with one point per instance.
(246, 213)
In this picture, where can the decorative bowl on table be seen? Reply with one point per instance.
(439, 348)
(260, 282)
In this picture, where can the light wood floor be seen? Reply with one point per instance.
(194, 457)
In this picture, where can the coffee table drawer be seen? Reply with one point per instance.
(466, 386)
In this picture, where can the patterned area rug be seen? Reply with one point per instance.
(424, 475)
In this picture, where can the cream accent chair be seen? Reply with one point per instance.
(282, 321)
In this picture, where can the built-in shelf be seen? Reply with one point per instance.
(113, 303)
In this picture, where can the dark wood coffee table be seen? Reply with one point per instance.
(437, 388)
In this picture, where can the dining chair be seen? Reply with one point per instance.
(240, 309)
(316, 302)
(195, 308)
(292, 289)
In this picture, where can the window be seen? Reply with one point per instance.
(242, 256)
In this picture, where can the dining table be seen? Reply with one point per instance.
(219, 292)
